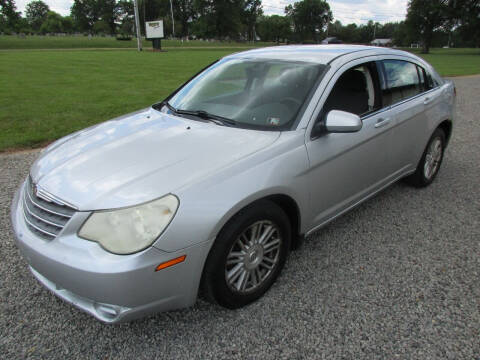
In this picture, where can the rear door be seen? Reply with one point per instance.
(405, 88)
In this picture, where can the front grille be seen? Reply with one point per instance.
(45, 217)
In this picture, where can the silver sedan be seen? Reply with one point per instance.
(208, 191)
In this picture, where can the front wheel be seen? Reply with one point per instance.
(248, 255)
(430, 162)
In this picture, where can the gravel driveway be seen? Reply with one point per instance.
(398, 277)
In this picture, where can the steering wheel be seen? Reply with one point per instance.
(288, 101)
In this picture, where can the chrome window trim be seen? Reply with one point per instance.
(379, 111)
(412, 98)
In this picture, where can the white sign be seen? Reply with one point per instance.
(154, 29)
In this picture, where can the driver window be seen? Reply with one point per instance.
(354, 92)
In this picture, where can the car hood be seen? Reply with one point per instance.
(139, 157)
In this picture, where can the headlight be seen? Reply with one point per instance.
(132, 229)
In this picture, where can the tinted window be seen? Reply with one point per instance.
(402, 81)
(431, 82)
(423, 82)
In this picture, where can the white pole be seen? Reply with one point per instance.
(173, 21)
(137, 25)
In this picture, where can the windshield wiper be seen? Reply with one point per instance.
(217, 119)
(158, 106)
(207, 116)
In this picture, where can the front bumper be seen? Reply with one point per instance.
(113, 288)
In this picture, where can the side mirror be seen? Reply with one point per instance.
(342, 122)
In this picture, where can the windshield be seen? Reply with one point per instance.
(255, 93)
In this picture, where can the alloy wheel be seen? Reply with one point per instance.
(433, 158)
(253, 257)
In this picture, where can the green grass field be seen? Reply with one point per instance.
(98, 42)
(453, 62)
(47, 94)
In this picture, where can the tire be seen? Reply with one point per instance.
(430, 162)
(267, 217)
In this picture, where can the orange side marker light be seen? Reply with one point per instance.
(172, 262)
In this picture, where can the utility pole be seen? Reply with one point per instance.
(173, 21)
(137, 25)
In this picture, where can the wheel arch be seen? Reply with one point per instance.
(286, 202)
(290, 207)
(447, 128)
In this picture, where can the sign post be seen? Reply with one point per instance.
(137, 25)
(154, 32)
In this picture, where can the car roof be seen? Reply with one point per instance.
(322, 54)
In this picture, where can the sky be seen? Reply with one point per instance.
(347, 11)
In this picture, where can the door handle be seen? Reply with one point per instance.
(382, 122)
(427, 101)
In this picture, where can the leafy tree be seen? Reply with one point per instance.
(106, 13)
(36, 12)
(67, 24)
(127, 27)
(124, 15)
(366, 33)
(424, 17)
(274, 28)
(386, 31)
(220, 18)
(52, 23)
(466, 15)
(184, 11)
(349, 33)
(309, 17)
(9, 16)
(252, 11)
(23, 26)
(401, 35)
(85, 13)
(101, 27)
(124, 8)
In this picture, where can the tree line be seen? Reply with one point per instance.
(428, 22)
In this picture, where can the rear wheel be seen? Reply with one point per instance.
(248, 255)
(430, 162)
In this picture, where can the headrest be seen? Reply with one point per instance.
(353, 80)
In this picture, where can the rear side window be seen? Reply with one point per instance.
(431, 82)
(423, 82)
(402, 81)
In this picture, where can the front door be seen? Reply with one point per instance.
(347, 167)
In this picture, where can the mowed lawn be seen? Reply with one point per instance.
(47, 94)
(453, 62)
(11, 42)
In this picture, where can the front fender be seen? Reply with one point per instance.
(205, 207)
